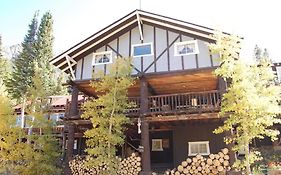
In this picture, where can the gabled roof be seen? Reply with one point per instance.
(69, 58)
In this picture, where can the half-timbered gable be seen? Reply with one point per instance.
(171, 45)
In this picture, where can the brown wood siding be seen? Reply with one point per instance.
(193, 132)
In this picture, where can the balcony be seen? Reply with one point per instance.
(184, 103)
(172, 104)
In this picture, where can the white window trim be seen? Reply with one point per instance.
(161, 145)
(135, 45)
(102, 53)
(195, 42)
(195, 143)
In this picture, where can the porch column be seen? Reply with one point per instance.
(74, 101)
(146, 166)
(70, 126)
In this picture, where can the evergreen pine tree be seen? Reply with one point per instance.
(20, 78)
(44, 53)
(3, 65)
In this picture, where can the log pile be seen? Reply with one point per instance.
(131, 165)
(128, 166)
(199, 165)
(78, 166)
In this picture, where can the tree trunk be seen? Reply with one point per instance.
(247, 161)
(22, 113)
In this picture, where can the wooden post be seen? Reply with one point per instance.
(70, 126)
(74, 102)
(146, 167)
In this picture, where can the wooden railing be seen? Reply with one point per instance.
(185, 103)
(196, 102)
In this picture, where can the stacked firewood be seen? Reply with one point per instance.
(78, 166)
(128, 166)
(131, 165)
(199, 165)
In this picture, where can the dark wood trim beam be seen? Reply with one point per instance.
(82, 69)
(118, 54)
(196, 58)
(159, 56)
(184, 117)
(211, 59)
(182, 58)
(168, 49)
(130, 42)
(154, 47)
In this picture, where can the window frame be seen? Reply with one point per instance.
(198, 143)
(160, 145)
(142, 44)
(195, 42)
(102, 53)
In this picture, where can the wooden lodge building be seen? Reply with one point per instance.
(177, 95)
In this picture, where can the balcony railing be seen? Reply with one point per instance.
(188, 103)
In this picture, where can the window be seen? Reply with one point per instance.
(201, 148)
(156, 145)
(186, 48)
(102, 58)
(140, 50)
(56, 118)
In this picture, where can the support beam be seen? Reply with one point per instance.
(69, 60)
(140, 26)
(71, 127)
(74, 101)
(146, 166)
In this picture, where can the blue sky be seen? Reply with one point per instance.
(257, 21)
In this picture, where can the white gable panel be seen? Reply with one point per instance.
(78, 70)
(215, 58)
(135, 39)
(189, 60)
(175, 61)
(124, 45)
(204, 59)
(161, 45)
(87, 69)
(148, 37)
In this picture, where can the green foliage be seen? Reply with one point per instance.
(3, 68)
(251, 101)
(44, 53)
(23, 67)
(32, 154)
(12, 150)
(107, 114)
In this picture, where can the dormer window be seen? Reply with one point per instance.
(186, 48)
(141, 50)
(102, 58)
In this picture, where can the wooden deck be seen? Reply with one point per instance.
(174, 104)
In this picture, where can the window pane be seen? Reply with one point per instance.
(203, 148)
(142, 50)
(194, 149)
